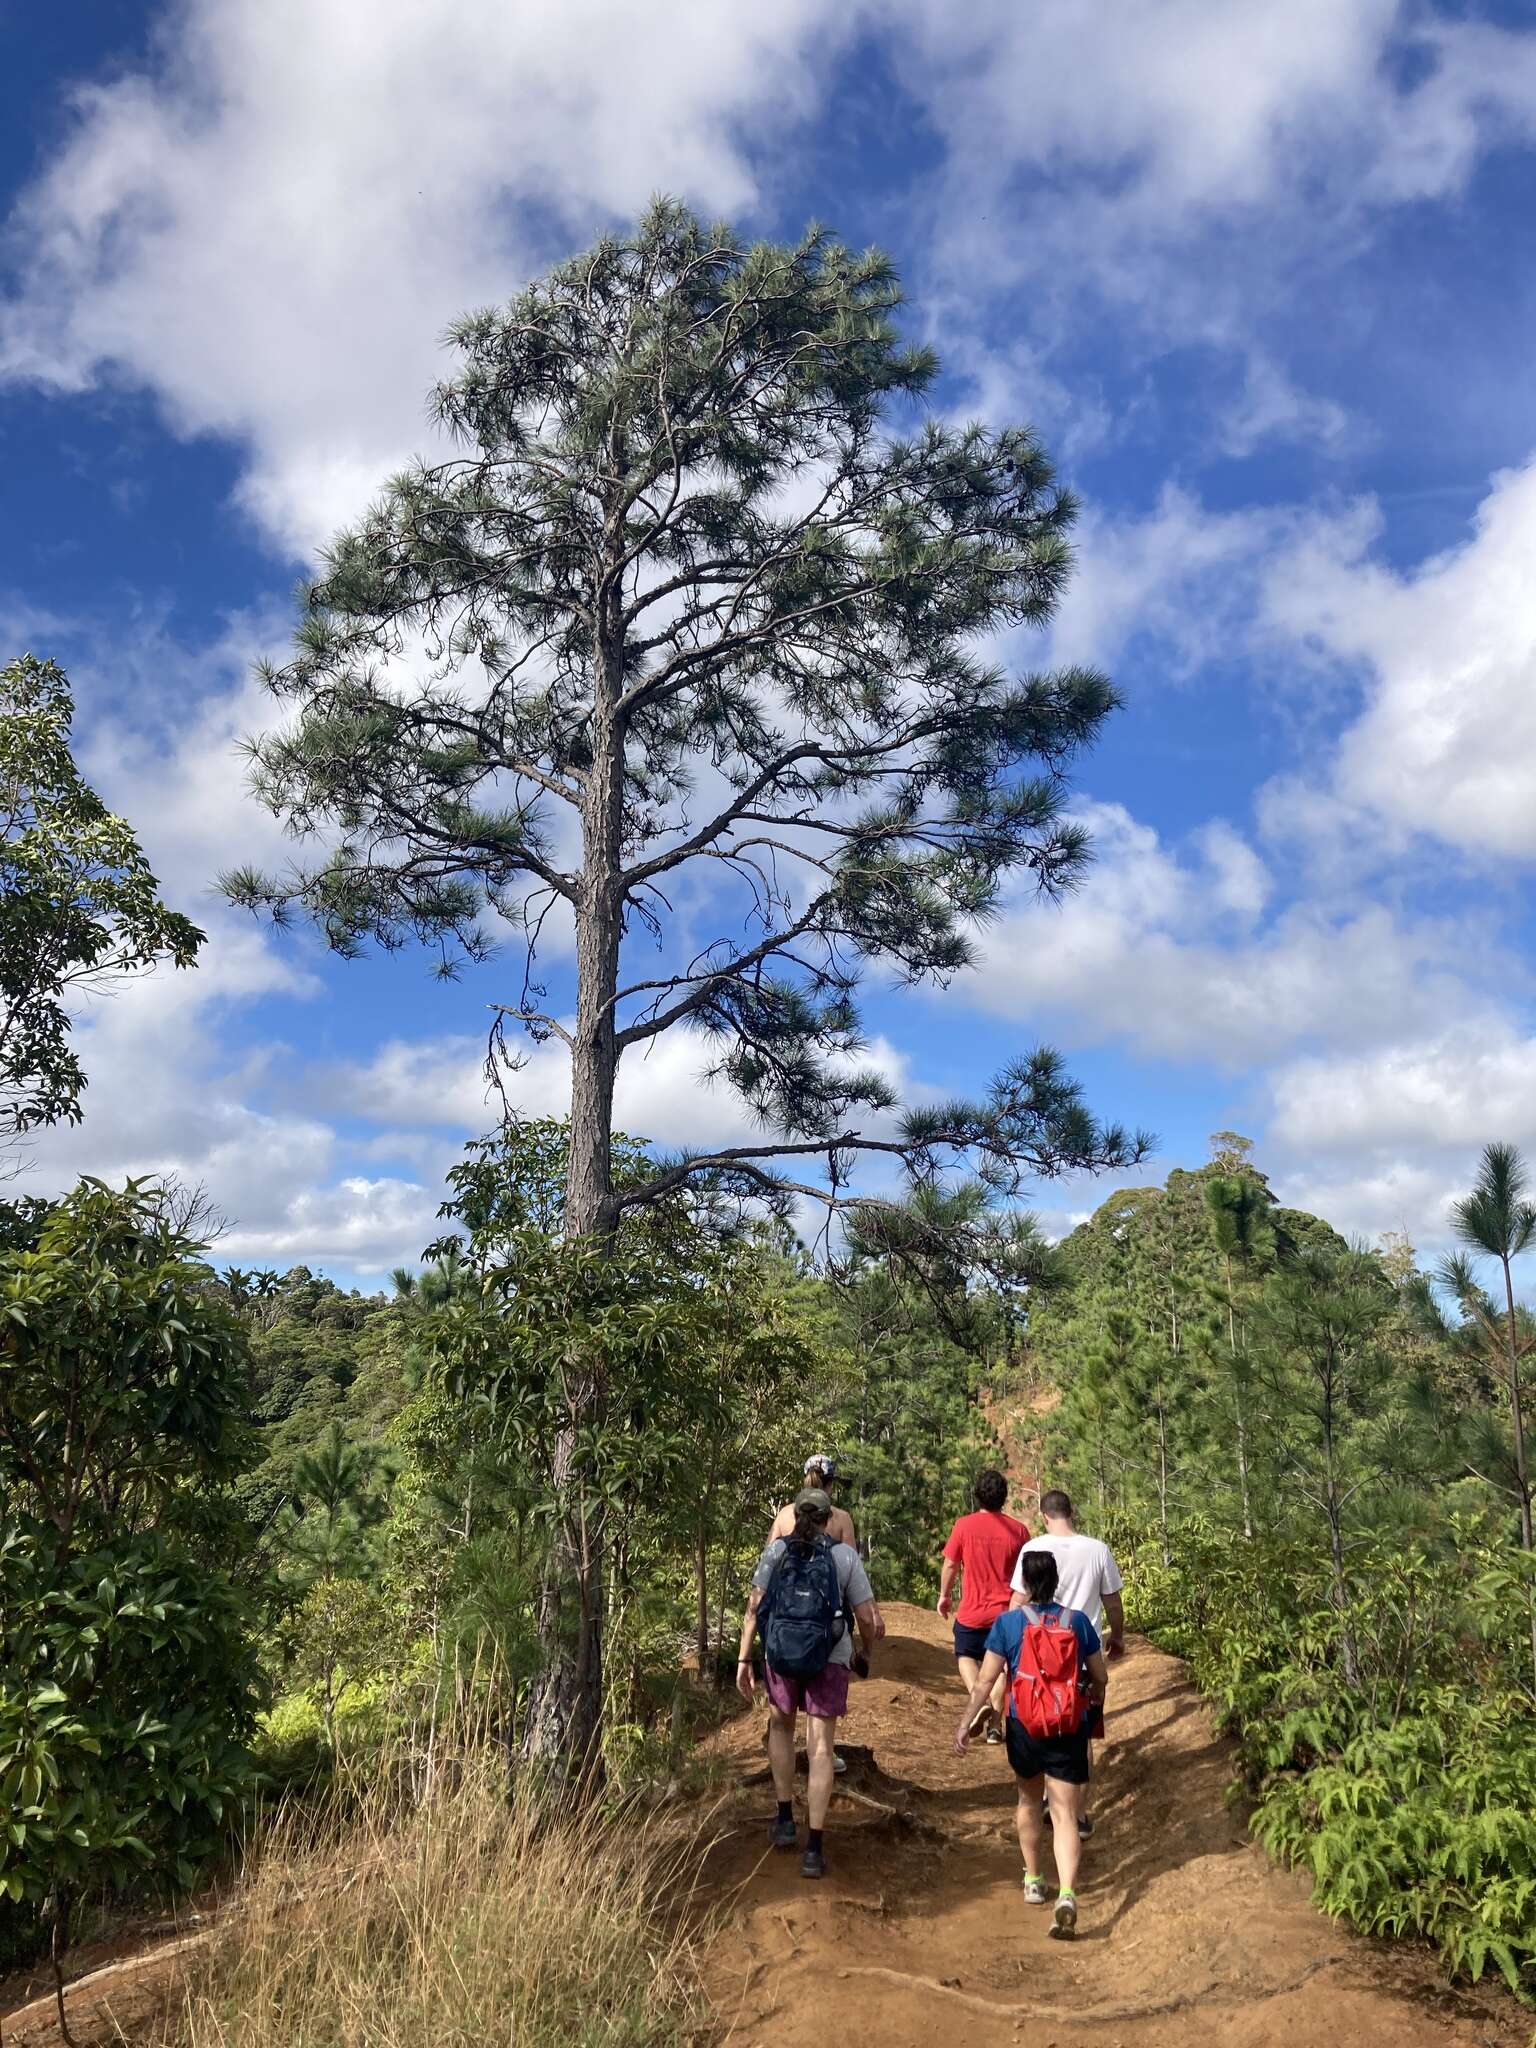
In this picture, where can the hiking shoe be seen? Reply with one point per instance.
(994, 1730)
(1034, 1891)
(1084, 1827)
(839, 1764)
(813, 1864)
(1064, 1920)
(785, 1835)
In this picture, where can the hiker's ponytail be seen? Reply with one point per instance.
(810, 1521)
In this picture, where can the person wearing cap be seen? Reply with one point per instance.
(822, 1698)
(821, 1471)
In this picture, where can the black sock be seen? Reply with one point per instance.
(813, 1838)
(786, 1809)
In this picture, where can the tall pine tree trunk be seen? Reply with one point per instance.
(564, 1727)
(1517, 1427)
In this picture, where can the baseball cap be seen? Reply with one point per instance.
(814, 1497)
(821, 1461)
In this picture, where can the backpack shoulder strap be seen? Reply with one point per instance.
(773, 1576)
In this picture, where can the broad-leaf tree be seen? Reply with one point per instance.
(127, 1678)
(80, 905)
(704, 617)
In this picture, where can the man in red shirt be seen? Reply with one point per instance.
(984, 1547)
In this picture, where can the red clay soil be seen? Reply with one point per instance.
(919, 1934)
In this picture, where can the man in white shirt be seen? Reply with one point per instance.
(1088, 1579)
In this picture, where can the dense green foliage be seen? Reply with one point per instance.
(414, 1444)
(1409, 1796)
(1319, 1473)
(78, 904)
(127, 1658)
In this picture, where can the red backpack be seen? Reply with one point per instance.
(1048, 1697)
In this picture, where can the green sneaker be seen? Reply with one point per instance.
(1034, 1891)
(1064, 1919)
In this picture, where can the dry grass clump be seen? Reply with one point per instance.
(450, 1916)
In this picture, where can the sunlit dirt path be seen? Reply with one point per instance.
(919, 1937)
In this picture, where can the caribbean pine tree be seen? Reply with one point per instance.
(686, 611)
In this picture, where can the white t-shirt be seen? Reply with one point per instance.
(1085, 1571)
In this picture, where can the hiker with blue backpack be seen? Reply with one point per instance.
(1057, 1677)
(804, 1590)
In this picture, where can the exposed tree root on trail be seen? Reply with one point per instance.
(1187, 1932)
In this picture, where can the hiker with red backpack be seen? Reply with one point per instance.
(1057, 1677)
(804, 1590)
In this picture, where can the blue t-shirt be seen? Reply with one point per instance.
(1007, 1633)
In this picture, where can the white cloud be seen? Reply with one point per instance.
(271, 224)
(1171, 954)
(1446, 741)
(1451, 1091)
(366, 1226)
(1103, 141)
(662, 1096)
(1180, 575)
(1270, 407)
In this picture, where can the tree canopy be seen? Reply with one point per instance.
(80, 903)
(687, 613)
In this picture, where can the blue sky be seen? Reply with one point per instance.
(1262, 278)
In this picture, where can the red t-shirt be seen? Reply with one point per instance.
(986, 1547)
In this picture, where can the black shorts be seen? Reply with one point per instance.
(1064, 1757)
(972, 1642)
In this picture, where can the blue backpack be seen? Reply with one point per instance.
(801, 1614)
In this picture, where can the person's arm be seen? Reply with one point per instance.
(1098, 1677)
(783, 1523)
(947, 1585)
(746, 1682)
(993, 1664)
(1114, 1614)
(871, 1628)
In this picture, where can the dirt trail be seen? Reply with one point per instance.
(919, 1934)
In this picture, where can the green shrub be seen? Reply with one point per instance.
(127, 1680)
(1410, 1800)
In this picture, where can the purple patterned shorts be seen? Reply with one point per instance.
(823, 1698)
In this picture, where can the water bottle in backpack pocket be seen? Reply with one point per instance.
(1047, 1693)
(801, 1614)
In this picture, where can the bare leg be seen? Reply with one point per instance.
(999, 1695)
(970, 1671)
(1082, 1790)
(1064, 1837)
(781, 1752)
(819, 1739)
(1031, 1833)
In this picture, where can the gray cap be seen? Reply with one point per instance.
(814, 1497)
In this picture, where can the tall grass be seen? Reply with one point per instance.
(427, 1909)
